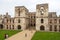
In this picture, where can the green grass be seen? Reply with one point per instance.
(9, 32)
(46, 36)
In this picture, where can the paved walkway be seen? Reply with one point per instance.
(22, 35)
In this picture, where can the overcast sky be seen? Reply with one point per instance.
(9, 5)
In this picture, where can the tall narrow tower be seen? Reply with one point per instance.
(42, 17)
(20, 17)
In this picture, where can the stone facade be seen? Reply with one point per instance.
(40, 20)
(32, 19)
(42, 15)
(20, 17)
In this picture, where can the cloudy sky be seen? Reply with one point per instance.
(9, 5)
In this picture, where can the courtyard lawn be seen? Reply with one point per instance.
(46, 36)
(9, 32)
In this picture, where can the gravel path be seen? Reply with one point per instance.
(24, 35)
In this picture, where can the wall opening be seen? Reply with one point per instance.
(42, 27)
(19, 27)
(1, 26)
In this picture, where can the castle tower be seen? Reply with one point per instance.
(20, 17)
(42, 17)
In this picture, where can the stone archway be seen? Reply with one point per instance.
(42, 27)
(1, 26)
(19, 26)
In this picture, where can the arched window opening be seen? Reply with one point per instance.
(42, 21)
(18, 20)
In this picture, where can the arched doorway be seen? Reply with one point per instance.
(42, 27)
(19, 27)
(1, 26)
